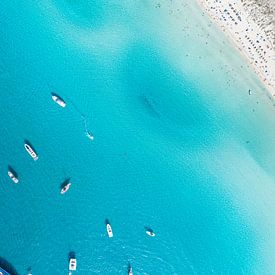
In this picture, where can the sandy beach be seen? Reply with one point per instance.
(248, 37)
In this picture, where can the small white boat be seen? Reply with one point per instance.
(109, 230)
(65, 188)
(72, 264)
(130, 271)
(57, 99)
(150, 233)
(89, 135)
(31, 151)
(13, 177)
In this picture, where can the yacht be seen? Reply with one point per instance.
(65, 188)
(109, 230)
(150, 233)
(130, 271)
(31, 151)
(58, 100)
(13, 177)
(72, 264)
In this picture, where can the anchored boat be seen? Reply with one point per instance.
(65, 188)
(72, 264)
(150, 233)
(13, 178)
(31, 151)
(109, 230)
(57, 99)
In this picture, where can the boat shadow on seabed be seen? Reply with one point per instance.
(7, 266)
(12, 170)
(71, 255)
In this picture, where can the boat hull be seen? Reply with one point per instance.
(72, 264)
(150, 233)
(13, 177)
(109, 231)
(4, 272)
(65, 188)
(58, 100)
(31, 151)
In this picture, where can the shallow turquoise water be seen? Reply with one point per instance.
(179, 144)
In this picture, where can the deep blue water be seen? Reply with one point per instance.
(180, 146)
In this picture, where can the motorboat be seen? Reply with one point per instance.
(150, 233)
(57, 99)
(65, 188)
(109, 230)
(13, 177)
(89, 135)
(130, 271)
(31, 151)
(72, 264)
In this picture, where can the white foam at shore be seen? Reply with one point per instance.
(252, 41)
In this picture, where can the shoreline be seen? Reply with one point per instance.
(246, 36)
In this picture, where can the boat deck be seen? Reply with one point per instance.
(3, 272)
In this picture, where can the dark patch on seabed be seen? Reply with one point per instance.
(149, 105)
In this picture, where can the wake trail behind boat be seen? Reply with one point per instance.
(84, 119)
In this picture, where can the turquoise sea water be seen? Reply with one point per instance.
(180, 146)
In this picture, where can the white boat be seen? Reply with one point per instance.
(3, 272)
(72, 264)
(130, 271)
(65, 188)
(150, 233)
(89, 135)
(58, 100)
(13, 177)
(31, 151)
(109, 230)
